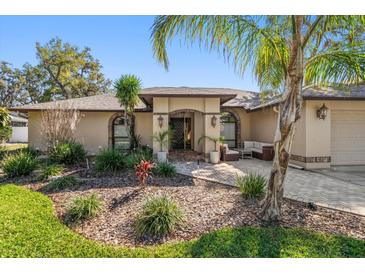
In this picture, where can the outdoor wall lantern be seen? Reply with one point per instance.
(160, 121)
(322, 112)
(214, 121)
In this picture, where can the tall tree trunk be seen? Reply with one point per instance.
(289, 113)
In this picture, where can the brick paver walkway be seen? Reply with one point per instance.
(300, 185)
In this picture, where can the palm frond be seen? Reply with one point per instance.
(335, 67)
(236, 37)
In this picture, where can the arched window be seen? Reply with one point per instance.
(229, 128)
(120, 134)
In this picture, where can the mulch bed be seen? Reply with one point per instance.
(207, 206)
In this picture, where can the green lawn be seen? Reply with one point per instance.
(11, 147)
(28, 228)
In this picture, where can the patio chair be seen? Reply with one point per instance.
(228, 154)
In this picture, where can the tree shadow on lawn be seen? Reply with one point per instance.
(273, 243)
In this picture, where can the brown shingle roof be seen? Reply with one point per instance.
(104, 102)
(225, 94)
(229, 98)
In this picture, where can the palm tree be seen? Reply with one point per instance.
(128, 88)
(284, 53)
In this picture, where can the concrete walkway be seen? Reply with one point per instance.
(300, 185)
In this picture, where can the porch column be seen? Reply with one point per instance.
(160, 119)
(212, 108)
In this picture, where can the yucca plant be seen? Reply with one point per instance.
(251, 185)
(82, 208)
(159, 216)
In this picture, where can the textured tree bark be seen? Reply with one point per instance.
(289, 113)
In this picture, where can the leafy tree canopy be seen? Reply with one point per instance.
(63, 71)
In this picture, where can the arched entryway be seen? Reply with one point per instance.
(230, 128)
(118, 134)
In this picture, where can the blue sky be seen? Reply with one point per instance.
(122, 44)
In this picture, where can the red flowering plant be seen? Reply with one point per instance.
(143, 170)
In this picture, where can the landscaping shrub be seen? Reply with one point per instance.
(165, 170)
(19, 164)
(62, 183)
(134, 158)
(251, 185)
(31, 151)
(159, 216)
(109, 160)
(82, 208)
(68, 153)
(143, 170)
(50, 171)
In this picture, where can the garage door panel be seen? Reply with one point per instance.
(348, 137)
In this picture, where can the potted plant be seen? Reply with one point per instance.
(163, 139)
(214, 154)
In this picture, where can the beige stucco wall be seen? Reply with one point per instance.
(263, 124)
(144, 126)
(204, 109)
(35, 137)
(91, 131)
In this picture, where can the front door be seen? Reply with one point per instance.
(181, 138)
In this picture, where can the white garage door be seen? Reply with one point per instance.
(348, 137)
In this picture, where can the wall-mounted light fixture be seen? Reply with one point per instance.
(322, 112)
(160, 121)
(214, 121)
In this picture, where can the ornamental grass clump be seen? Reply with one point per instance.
(251, 185)
(143, 171)
(159, 216)
(68, 153)
(19, 164)
(62, 183)
(109, 160)
(165, 169)
(82, 208)
(51, 171)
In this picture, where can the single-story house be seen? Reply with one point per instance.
(335, 136)
(19, 127)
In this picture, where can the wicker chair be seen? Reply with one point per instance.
(228, 154)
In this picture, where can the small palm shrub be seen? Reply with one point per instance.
(62, 183)
(109, 160)
(69, 153)
(159, 216)
(19, 164)
(251, 185)
(50, 171)
(165, 170)
(82, 208)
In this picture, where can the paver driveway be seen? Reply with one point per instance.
(300, 185)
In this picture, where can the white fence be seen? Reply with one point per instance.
(19, 135)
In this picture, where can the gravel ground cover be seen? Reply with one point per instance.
(207, 207)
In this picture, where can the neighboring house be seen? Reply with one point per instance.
(338, 139)
(19, 127)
